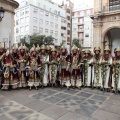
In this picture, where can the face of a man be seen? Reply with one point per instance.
(97, 52)
(106, 52)
(118, 53)
(34, 53)
(86, 55)
(43, 50)
(74, 51)
(63, 50)
(53, 52)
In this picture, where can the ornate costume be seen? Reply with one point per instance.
(88, 71)
(22, 64)
(97, 68)
(65, 67)
(116, 68)
(106, 69)
(53, 67)
(75, 68)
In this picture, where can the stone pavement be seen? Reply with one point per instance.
(57, 104)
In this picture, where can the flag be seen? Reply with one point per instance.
(27, 39)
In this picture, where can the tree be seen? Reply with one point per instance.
(76, 42)
(38, 39)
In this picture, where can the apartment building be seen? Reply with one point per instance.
(43, 17)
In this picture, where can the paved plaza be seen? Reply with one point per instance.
(57, 104)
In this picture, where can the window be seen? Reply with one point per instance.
(26, 10)
(56, 18)
(17, 13)
(26, 28)
(56, 26)
(86, 35)
(38, 4)
(41, 21)
(52, 16)
(35, 20)
(41, 13)
(81, 27)
(55, 11)
(17, 22)
(17, 30)
(35, 29)
(22, 12)
(44, 6)
(17, 39)
(64, 28)
(51, 32)
(82, 13)
(74, 29)
(22, 29)
(68, 32)
(41, 30)
(47, 14)
(63, 21)
(21, 20)
(81, 21)
(56, 34)
(27, 19)
(88, 12)
(46, 22)
(51, 24)
(75, 20)
(58, 12)
(46, 31)
(35, 11)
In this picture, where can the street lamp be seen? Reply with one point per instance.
(1, 13)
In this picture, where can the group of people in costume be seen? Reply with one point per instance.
(43, 66)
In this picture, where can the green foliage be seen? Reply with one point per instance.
(76, 42)
(38, 39)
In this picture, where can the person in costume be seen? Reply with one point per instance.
(53, 67)
(64, 67)
(22, 64)
(106, 69)
(116, 69)
(97, 67)
(45, 58)
(88, 71)
(6, 71)
(75, 68)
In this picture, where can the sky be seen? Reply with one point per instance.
(76, 2)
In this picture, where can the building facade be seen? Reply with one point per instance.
(7, 23)
(82, 27)
(106, 22)
(43, 17)
(68, 5)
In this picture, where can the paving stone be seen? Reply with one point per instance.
(49, 92)
(52, 100)
(71, 91)
(113, 101)
(6, 117)
(98, 97)
(39, 117)
(40, 96)
(62, 95)
(92, 103)
(84, 94)
(73, 116)
(24, 100)
(92, 119)
(54, 112)
(111, 108)
(38, 105)
(85, 110)
(104, 115)
(21, 113)
(69, 103)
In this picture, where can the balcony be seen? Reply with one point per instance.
(80, 23)
(80, 30)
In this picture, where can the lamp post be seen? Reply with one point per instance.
(1, 13)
